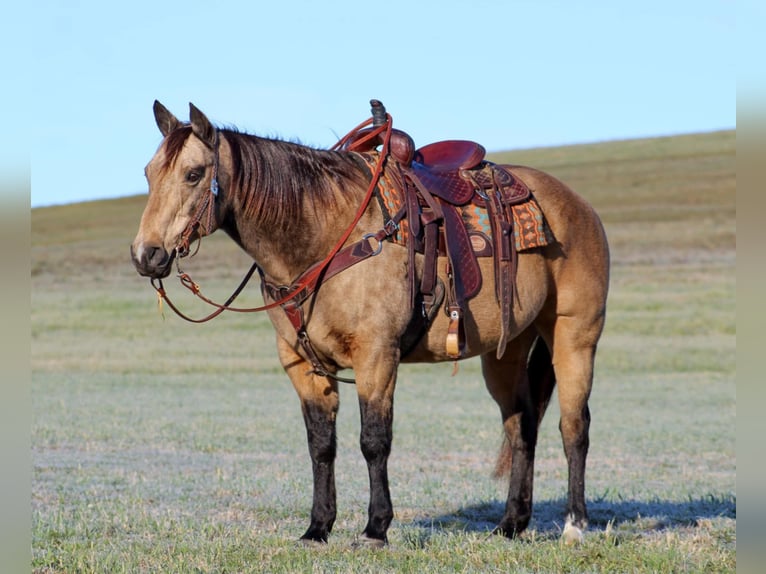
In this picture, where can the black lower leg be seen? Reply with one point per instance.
(576, 444)
(320, 431)
(518, 509)
(375, 442)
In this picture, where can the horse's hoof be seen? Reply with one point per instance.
(365, 541)
(572, 534)
(311, 543)
(509, 533)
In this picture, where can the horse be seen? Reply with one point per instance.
(292, 208)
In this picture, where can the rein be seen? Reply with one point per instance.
(307, 281)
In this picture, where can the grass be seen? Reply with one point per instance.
(163, 446)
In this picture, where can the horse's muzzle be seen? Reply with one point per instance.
(151, 260)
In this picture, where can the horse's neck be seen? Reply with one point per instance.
(284, 255)
(285, 252)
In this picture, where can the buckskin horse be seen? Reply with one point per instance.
(374, 253)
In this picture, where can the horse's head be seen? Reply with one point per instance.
(182, 178)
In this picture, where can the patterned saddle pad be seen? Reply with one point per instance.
(530, 229)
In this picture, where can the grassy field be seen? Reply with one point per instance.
(159, 446)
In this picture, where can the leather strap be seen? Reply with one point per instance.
(502, 238)
(301, 290)
(292, 297)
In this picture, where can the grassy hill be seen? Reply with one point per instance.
(654, 195)
(163, 446)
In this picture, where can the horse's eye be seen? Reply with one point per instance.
(193, 176)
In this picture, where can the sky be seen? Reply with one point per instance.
(508, 74)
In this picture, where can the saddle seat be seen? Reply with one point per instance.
(438, 166)
(450, 155)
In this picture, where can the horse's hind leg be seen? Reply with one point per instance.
(575, 369)
(319, 403)
(521, 384)
(574, 347)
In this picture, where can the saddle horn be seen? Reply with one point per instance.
(378, 113)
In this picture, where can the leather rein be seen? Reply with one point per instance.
(336, 260)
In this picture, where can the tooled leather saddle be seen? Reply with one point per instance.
(437, 182)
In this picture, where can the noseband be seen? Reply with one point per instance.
(206, 210)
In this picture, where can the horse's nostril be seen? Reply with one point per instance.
(150, 260)
(156, 256)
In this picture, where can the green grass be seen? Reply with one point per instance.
(159, 446)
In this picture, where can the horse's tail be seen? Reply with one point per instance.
(542, 380)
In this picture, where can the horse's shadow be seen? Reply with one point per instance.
(547, 515)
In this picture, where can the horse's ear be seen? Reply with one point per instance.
(166, 121)
(201, 126)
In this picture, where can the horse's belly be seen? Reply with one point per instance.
(482, 320)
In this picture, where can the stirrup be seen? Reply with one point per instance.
(455, 343)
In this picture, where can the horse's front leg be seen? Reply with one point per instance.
(319, 403)
(375, 382)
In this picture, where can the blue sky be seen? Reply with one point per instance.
(511, 75)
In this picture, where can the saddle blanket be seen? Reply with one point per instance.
(530, 230)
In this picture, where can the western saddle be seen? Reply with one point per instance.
(436, 181)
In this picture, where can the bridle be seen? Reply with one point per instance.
(306, 283)
(206, 207)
